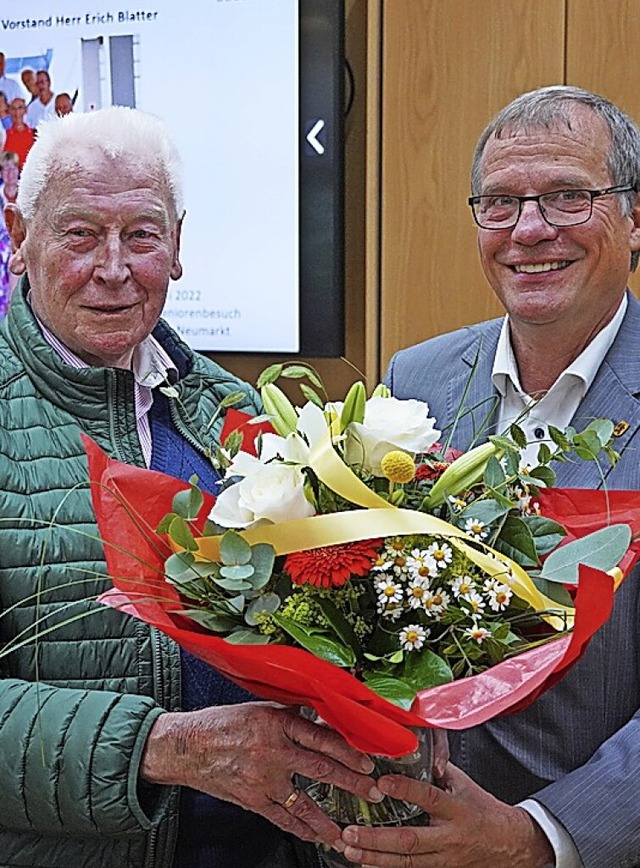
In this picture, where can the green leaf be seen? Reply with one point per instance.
(559, 438)
(587, 444)
(603, 549)
(165, 523)
(265, 603)
(547, 535)
(485, 511)
(392, 689)
(180, 533)
(544, 454)
(516, 541)
(233, 398)
(188, 503)
(339, 623)
(311, 395)
(234, 549)
(212, 621)
(177, 567)
(234, 585)
(603, 429)
(518, 436)
(494, 475)
(246, 637)
(554, 590)
(237, 571)
(318, 644)
(269, 375)
(543, 474)
(424, 669)
(299, 371)
(262, 560)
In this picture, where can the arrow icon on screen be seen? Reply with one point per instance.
(312, 137)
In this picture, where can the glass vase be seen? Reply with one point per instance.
(346, 809)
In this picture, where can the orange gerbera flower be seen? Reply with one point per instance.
(332, 566)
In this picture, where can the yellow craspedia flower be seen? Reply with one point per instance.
(397, 466)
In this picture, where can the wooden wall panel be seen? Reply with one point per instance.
(448, 65)
(603, 55)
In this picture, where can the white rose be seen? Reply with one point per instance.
(389, 423)
(270, 491)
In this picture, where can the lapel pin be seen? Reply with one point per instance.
(620, 428)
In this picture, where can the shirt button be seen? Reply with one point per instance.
(539, 433)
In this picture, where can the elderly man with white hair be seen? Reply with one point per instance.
(117, 748)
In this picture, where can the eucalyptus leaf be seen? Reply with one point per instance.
(234, 549)
(188, 503)
(177, 567)
(603, 549)
(266, 603)
(237, 571)
(165, 524)
(180, 533)
(212, 621)
(262, 560)
(234, 585)
(587, 444)
(603, 429)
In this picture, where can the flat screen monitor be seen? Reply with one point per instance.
(252, 90)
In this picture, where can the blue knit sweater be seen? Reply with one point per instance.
(212, 833)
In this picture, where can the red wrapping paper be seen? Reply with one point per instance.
(129, 502)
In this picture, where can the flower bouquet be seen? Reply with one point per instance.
(353, 564)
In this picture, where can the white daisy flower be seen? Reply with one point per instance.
(436, 602)
(391, 611)
(475, 528)
(417, 590)
(420, 563)
(388, 590)
(463, 586)
(499, 597)
(457, 504)
(441, 553)
(475, 601)
(412, 638)
(477, 633)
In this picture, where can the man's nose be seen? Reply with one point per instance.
(112, 266)
(531, 226)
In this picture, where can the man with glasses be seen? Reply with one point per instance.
(554, 193)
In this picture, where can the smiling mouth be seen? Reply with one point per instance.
(538, 267)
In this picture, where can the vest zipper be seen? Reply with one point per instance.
(184, 430)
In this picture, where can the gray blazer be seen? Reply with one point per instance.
(577, 748)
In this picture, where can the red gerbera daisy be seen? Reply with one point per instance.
(331, 566)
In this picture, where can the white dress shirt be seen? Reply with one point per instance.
(150, 367)
(555, 408)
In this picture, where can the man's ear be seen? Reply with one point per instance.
(176, 267)
(18, 231)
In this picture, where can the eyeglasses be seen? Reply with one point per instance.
(558, 208)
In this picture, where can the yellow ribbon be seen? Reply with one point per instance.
(379, 518)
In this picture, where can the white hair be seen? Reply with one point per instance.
(118, 132)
